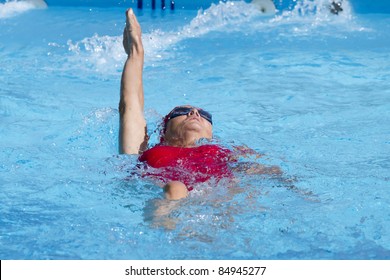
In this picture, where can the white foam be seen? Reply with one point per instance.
(312, 16)
(15, 7)
(105, 53)
(217, 17)
(315, 13)
(97, 52)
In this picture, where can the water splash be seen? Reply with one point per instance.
(316, 12)
(97, 52)
(316, 17)
(12, 8)
(306, 18)
(108, 50)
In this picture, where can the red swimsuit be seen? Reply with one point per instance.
(188, 165)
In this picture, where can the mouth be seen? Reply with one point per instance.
(193, 119)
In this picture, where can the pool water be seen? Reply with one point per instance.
(306, 88)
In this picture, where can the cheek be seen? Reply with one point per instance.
(175, 123)
(209, 128)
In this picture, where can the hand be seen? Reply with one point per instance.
(245, 151)
(132, 33)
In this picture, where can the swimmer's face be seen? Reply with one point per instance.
(187, 120)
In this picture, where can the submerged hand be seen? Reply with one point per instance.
(245, 151)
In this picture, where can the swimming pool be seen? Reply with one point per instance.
(307, 88)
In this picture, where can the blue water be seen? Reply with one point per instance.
(307, 89)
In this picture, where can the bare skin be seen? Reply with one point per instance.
(181, 131)
(132, 132)
(185, 131)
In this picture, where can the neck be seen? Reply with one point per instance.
(179, 142)
(187, 140)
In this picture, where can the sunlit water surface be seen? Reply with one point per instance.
(308, 89)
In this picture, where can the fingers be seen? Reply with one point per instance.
(131, 20)
(132, 36)
(132, 25)
(128, 23)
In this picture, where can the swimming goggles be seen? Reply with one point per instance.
(182, 111)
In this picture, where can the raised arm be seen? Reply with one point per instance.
(132, 131)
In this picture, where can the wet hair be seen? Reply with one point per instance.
(164, 123)
(163, 127)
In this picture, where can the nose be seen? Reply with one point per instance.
(195, 112)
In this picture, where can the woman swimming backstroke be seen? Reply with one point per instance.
(182, 160)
